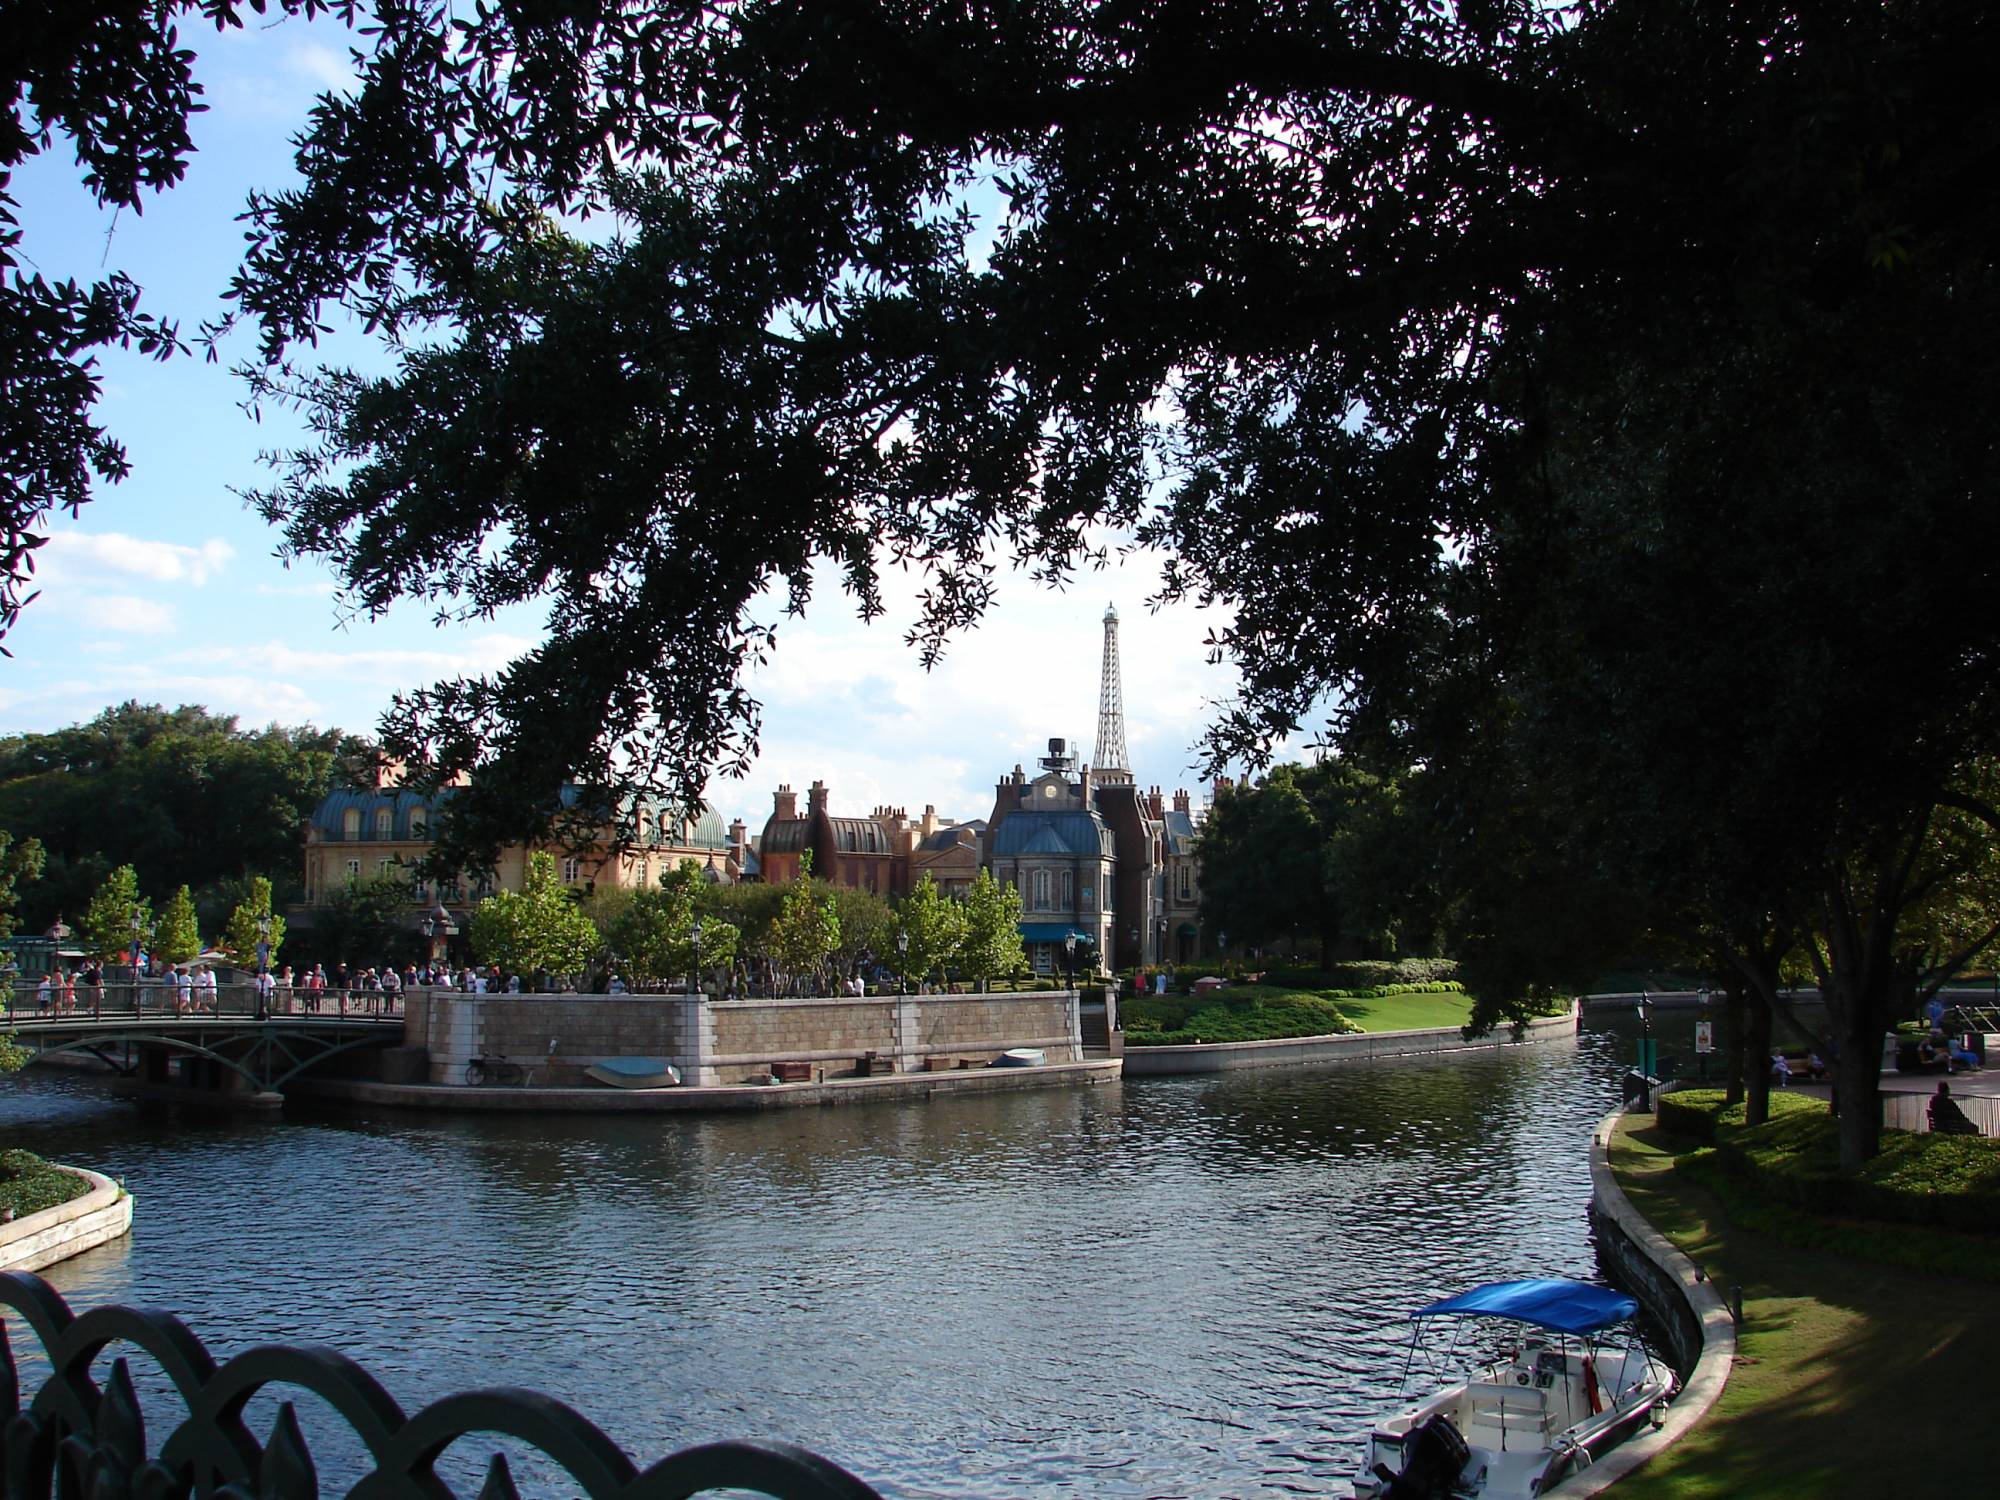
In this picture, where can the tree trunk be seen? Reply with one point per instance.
(1756, 1062)
(1734, 1042)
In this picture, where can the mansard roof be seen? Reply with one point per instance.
(1050, 833)
(785, 836)
(1180, 832)
(860, 836)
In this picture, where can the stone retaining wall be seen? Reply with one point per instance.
(85, 1222)
(556, 1038)
(1680, 1298)
(1222, 1057)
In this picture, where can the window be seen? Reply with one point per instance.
(420, 822)
(350, 823)
(1041, 890)
(1090, 898)
(385, 821)
(354, 866)
(1068, 890)
(1187, 883)
(645, 873)
(570, 870)
(384, 865)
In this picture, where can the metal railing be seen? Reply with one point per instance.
(151, 999)
(70, 1436)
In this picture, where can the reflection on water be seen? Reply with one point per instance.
(1168, 1287)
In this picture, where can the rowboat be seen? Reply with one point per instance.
(1570, 1379)
(634, 1072)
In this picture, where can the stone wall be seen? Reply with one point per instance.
(94, 1218)
(556, 1038)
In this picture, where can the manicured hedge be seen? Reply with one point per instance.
(1793, 1158)
(1246, 1013)
(1365, 974)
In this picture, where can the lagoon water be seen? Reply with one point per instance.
(1154, 1288)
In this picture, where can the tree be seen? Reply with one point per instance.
(361, 920)
(538, 927)
(255, 932)
(654, 935)
(866, 924)
(1264, 872)
(806, 930)
(991, 942)
(930, 931)
(20, 863)
(117, 917)
(177, 936)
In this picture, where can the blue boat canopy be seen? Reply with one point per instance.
(1563, 1306)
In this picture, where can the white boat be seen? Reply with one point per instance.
(1569, 1379)
(1022, 1057)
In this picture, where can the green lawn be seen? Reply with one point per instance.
(1266, 1012)
(1853, 1377)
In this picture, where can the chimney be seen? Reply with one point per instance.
(739, 835)
(785, 804)
(816, 797)
(1181, 804)
(930, 819)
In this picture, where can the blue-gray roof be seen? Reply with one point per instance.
(1180, 832)
(1054, 833)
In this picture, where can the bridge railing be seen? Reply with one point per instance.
(125, 999)
(73, 1437)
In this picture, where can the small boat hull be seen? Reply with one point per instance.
(1023, 1057)
(634, 1073)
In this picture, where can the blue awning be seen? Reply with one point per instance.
(1050, 932)
(1563, 1306)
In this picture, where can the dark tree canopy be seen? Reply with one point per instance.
(1363, 313)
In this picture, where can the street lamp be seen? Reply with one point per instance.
(694, 945)
(1647, 1060)
(902, 961)
(438, 927)
(1069, 955)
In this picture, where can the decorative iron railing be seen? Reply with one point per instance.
(74, 1439)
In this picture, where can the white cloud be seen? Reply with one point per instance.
(323, 65)
(127, 614)
(77, 557)
(391, 668)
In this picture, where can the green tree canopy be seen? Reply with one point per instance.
(361, 921)
(177, 936)
(247, 929)
(806, 931)
(539, 927)
(930, 931)
(991, 942)
(116, 916)
(654, 933)
(20, 864)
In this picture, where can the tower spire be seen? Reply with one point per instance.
(1111, 758)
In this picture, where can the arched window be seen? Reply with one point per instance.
(1041, 890)
(570, 870)
(1068, 890)
(350, 823)
(385, 821)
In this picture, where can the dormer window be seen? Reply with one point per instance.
(419, 823)
(350, 823)
(385, 821)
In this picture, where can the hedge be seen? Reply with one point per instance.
(28, 1184)
(1366, 974)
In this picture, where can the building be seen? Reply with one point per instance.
(887, 852)
(385, 831)
(1049, 841)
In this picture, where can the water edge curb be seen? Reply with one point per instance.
(90, 1219)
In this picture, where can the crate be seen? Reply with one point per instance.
(792, 1072)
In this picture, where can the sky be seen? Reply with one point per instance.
(166, 589)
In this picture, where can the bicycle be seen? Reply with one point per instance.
(482, 1070)
(498, 1070)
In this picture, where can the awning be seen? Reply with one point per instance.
(1050, 932)
(1563, 1306)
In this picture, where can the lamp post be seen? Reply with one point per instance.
(1069, 956)
(902, 961)
(263, 980)
(1648, 1053)
(694, 946)
(439, 929)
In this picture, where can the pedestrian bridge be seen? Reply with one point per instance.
(237, 1048)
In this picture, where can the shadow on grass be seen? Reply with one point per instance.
(1846, 1366)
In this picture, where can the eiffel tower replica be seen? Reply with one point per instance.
(1111, 761)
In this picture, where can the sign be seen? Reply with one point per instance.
(1704, 1036)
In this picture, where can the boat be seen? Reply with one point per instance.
(1022, 1057)
(634, 1072)
(1570, 1378)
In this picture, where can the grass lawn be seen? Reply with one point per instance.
(1416, 1012)
(1270, 1012)
(1853, 1377)
(28, 1184)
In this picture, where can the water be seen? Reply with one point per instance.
(1157, 1288)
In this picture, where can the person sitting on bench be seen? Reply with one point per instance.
(1946, 1117)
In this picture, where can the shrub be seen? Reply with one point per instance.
(28, 1184)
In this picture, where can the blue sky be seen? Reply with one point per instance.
(165, 588)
